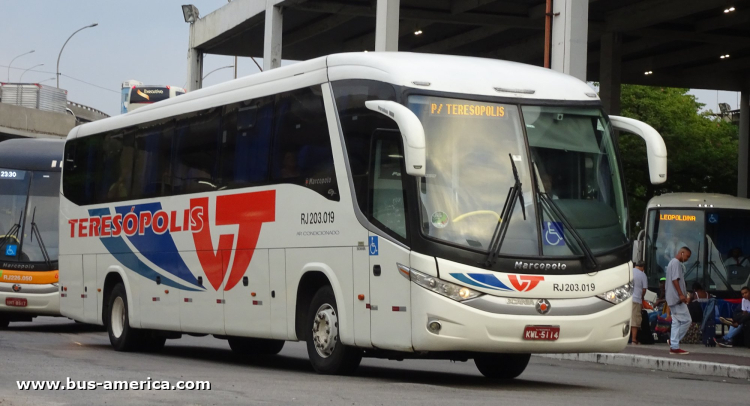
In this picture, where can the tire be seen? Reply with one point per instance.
(121, 335)
(334, 358)
(502, 366)
(4, 321)
(255, 346)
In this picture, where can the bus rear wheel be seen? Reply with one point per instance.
(121, 335)
(255, 346)
(502, 366)
(328, 355)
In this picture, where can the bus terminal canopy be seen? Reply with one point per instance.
(680, 41)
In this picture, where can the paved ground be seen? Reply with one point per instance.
(55, 349)
(735, 356)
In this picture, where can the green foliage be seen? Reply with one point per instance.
(701, 149)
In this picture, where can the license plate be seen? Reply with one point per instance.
(541, 333)
(15, 302)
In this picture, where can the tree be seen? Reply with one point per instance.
(701, 149)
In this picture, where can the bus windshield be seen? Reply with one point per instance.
(29, 203)
(469, 173)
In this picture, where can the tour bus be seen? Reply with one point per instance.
(714, 227)
(143, 95)
(389, 205)
(29, 207)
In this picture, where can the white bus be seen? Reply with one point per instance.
(371, 204)
(142, 95)
(714, 227)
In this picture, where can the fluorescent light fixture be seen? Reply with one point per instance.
(190, 12)
(728, 10)
(725, 56)
(648, 72)
(418, 32)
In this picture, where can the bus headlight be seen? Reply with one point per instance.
(619, 294)
(451, 290)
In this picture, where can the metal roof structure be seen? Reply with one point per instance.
(680, 41)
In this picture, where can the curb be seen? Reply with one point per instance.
(659, 364)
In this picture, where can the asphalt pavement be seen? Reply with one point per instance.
(56, 349)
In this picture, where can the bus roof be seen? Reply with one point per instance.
(693, 200)
(32, 154)
(431, 72)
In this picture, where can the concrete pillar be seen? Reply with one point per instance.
(386, 25)
(272, 37)
(743, 169)
(570, 37)
(610, 72)
(194, 65)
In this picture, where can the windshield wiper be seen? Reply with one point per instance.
(514, 194)
(35, 231)
(13, 232)
(551, 206)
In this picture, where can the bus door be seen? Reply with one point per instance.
(390, 311)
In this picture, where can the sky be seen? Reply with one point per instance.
(145, 40)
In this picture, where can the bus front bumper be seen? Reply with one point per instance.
(465, 328)
(41, 300)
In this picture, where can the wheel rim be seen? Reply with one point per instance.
(325, 330)
(117, 321)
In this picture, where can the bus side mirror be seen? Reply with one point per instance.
(638, 248)
(655, 147)
(411, 131)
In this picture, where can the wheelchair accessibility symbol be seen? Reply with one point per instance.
(11, 250)
(553, 233)
(713, 218)
(373, 245)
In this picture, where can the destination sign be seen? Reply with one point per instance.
(12, 174)
(676, 217)
(467, 110)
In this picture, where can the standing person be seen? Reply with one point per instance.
(740, 320)
(677, 300)
(640, 284)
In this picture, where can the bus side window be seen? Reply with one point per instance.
(387, 204)
(246, 143)
(195, 152)
(358, 124)
(117, 167)
(152, 153)
(302, 145)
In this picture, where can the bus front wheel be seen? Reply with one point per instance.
(502, 366)
(328, 355)
(121, 335)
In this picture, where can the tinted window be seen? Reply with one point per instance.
(195, 167)
(246, 143)
(302, 146)
(359, 124)
(152, 156)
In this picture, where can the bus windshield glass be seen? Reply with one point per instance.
(469, 173)
(20, 195)
(576, 166)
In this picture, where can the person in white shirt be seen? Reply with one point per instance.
(736, 258)
(640, 284)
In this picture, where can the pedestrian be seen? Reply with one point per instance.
(640, 284)
(678, 300)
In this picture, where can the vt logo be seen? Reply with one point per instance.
(249, 211)
(526, 283)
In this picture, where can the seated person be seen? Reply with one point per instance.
(735, 258)
(740, 321)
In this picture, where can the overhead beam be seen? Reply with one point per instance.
(521, 51)
(731, 65)
(690, 36)
(424, 15)
(367, 41)
(461, 39)
(318, 27)
(631, 47)
(652, 12)
(724, 21)
(681, 56)
(460, 6)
